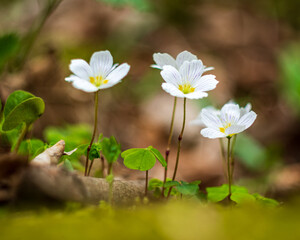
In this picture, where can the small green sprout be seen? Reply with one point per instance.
(142, 159)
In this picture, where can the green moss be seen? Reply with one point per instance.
(176, 220)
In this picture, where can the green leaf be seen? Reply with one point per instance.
(138, 4)
(95, 151)
(9, 44)
(141, 159)
(15, 99)
(171, 184)
(68, 165)
(159, 157)
(154, 183)
(217, 194)
(111, 149)
(242, 197)
(186, 188)
(73, 135)
(21, 107)
(265, 201)
(31, 147)
(129, 151)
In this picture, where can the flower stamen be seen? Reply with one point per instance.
(98, 80)
(186, 88)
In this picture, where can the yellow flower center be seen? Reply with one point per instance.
(186, 88)
(222, 129)
(98, 80)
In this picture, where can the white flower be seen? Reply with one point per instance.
(230, 120)
(164, 59)
(99, 74)
(188, 82)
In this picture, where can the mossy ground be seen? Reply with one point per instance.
(175, 220)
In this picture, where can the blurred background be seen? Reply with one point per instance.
(253, 46)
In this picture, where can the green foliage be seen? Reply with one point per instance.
(9, 45)
(95, 151)
(238, 195)
(111, 149)
(142, 159)
(21, 107)
(31, 147)
(184, 188)
(73, 135)
(138, 4)
(290, 75)
(68, 165)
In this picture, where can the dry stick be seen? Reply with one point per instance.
(146, 185)
(21, 137)
(223, 158)
(94, 133)
(232, 157)
(228, 167)
(168, 146)
(179, 145)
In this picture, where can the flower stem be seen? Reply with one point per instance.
(93, 136)
(102, 165)
(223, 158)
(109, 169)
(146, 185)
(168, 146)
(232, 157)
(179, 144)
(228, 167)
(21, 137)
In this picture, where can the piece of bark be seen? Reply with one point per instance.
(62, 185)
(50, 155)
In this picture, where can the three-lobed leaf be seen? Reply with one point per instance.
(158, 155)
(141, 159)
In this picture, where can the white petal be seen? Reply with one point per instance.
(248, 119)
(234, 129)
(185, 56)
(156, 66)
(230, 113)
(191, 71)
(81, 69)
(71, 78)
(101, 63)
(210, 119)
(171, 89)
(116, 76)
(212, 133)
(84, 86)
(164, 59)
(206, 83)
(171, 75)
(245, 109)
(206, 69)
(196, 95)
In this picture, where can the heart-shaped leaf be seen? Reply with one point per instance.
(158, 155)
(139, 159)
(22, 107)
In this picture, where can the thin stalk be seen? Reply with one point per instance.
(169, 144)
(90, 167)
(223, 158)
(179, 144)
(228, 167)
(102, 165)
(21, 137)
(93, 136)
(109, 169)
(30, 38)
(146, 185)
(232, 157)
